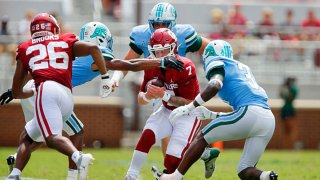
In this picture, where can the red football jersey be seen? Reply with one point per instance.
(48, 58)
(184, 84)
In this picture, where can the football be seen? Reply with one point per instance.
(155, 82)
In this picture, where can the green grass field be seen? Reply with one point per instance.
(113, 163)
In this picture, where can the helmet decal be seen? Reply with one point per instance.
(96, 33)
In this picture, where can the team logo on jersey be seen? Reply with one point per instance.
(171, 85)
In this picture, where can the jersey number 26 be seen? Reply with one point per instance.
(47, 52)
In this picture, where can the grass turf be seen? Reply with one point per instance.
(112, 164)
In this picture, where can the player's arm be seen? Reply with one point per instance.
(18, 82)
(216, 77)
(145, 95)
(204, 43)
(81, 48)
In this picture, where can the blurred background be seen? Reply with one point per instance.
(278, 39)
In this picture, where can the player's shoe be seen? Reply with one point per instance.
(156, 173)
(11, 160)
(85, 161)
(273, 175)
(15, 177)
(209, 157)
(128, 177)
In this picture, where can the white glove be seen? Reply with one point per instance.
(180, 111)
(203, 113)
(105, 86)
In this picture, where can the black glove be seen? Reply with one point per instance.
(171, 62)
(6, 97)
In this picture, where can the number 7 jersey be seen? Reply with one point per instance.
(48, 58)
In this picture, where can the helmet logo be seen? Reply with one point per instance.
(99, 32)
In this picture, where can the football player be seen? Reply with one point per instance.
(179, 88)
(48, 57)
(163, 15)
(84, 70)
(251, 119)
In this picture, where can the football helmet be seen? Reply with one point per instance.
(96, 33)
(44, 24)
(162, 13)
(217, 48)
(161, 39)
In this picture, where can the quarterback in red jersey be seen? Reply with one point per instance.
(48, 58)
(179, 88)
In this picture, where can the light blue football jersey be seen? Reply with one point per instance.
(239, 86)
(81, 68)
(140, 36)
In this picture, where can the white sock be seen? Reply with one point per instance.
(137, 161)
(76, 156)
(265, 175)
(177, 174)
(72, 174)
(15, 172)
(15, 156)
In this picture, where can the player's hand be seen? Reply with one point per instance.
(171, 62)
(105, 86)
(156, 91)
(203, 113)
(180, 111)
(6, 97)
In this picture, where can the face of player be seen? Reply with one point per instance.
(157, 25)
(162, 53)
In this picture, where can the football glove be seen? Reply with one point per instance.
(105, 86)
(171, 62)
(6, 97)
(180, 111)
(203, 113)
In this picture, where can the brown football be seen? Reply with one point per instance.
(155, 82)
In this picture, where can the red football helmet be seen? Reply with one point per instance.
(44, 24)
(161, 39)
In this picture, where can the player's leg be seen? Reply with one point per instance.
(184, 131)
(157, 127)
(227, 127)
(74, 128)
(53, 102)
(256, 143)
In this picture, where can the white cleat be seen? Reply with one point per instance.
(85, 161)
(128, 177)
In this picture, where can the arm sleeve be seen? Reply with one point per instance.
(193, 41)
(133, 44)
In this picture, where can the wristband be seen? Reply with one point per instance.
(105, 76)
(145, 98)
(199, 100)
(166, 97)
(117, 76)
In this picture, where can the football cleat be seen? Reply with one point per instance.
(209, 157)
(156, 173)
(85, 161)
(13, 177)
(11, 161)
(273, 176)
(128, 177)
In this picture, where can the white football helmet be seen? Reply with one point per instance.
(96, 33)
(217, 48)
(162, 13)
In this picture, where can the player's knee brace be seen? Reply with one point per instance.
(146, 141)
(171, 163)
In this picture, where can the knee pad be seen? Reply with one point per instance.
(171, 163)
(146, 141)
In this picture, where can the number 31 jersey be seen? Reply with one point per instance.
(48, 58)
